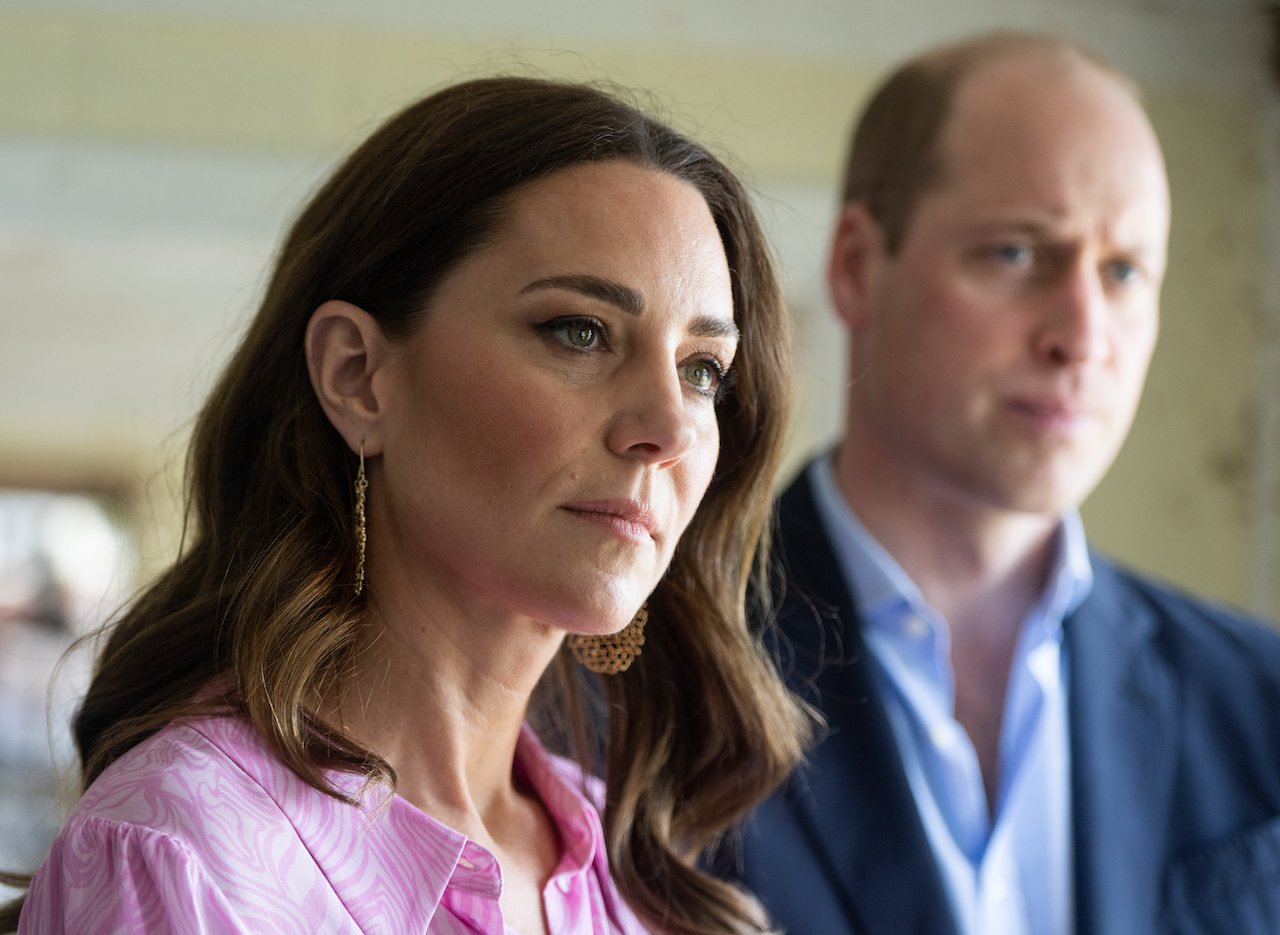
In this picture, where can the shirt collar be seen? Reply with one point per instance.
(1071, 576)
(558, 784)
(566, 800)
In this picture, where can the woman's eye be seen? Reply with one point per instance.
(705, 376)
(701, 376)
(582, 334)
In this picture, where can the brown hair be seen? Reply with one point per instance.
(261, 601)
(895, 155)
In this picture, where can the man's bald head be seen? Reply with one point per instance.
(897, 154)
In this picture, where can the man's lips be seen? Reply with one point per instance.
(629, 518)
(1052, 413)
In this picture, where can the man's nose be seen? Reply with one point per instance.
(1075, 326)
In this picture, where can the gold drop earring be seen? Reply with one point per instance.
(362, 484)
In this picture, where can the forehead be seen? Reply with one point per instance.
(634, 227)
(1058, 136)
(628, 201)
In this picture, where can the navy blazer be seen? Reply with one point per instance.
(1174, 708)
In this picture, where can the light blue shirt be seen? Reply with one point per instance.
(1011, 874)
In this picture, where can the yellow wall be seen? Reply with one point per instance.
(1179, 501)
(277, 85)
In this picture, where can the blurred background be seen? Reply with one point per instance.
(151, 152)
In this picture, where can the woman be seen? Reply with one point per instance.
(518, 381)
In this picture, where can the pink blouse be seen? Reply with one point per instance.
(201, 829)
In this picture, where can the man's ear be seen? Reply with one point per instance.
(857, 252)
(346, 349)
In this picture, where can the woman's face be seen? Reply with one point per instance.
(550, 428)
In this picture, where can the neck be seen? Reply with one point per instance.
(977, 565)
(981, 568)
(440, 691)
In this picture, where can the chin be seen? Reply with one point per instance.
(592, 620)
(1044, 489)
(1047, 500)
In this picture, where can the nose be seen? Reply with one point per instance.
(1074, 328)
(654, 420)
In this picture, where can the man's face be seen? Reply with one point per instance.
(999, 356)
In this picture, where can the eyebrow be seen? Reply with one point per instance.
(1035, 228)
(1051, 234)
(629, 301)
(606, 290)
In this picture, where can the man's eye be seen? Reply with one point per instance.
(1124, 272)
(1013, 254)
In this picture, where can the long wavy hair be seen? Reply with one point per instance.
(261, 602)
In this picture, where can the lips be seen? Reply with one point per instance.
(629, 518)
(1051, 412)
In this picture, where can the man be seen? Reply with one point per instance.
(1022, 737)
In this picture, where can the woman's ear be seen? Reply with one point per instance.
(346, 349)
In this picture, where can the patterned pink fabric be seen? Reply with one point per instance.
(201, 829)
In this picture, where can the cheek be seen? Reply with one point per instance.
(491, 423)
(697, 470)
(1132, 350)
(925, 356)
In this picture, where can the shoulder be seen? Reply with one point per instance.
(203, 821)
(110, 876)
(184, 827)
(197, 785)
(796, 508)
(1205, 641)
(1184, 620)
(206, 782)
(189, 764)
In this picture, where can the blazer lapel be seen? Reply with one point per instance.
(1124, 737)
(854, 802)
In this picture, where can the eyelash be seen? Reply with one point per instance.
(725, 377)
